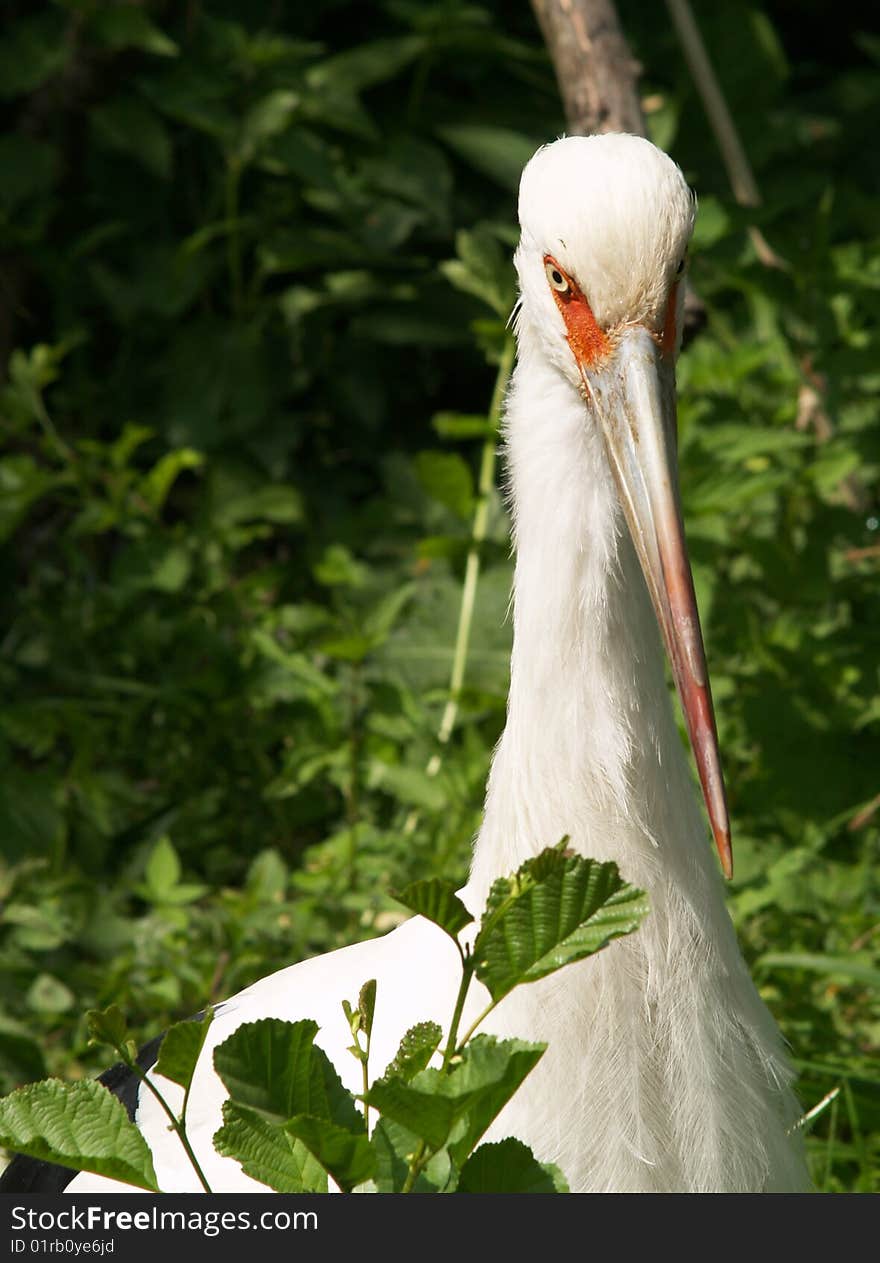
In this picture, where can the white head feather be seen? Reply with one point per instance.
(617, 214)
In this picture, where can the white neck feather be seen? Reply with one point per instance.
(590, 748)
(674, 1070)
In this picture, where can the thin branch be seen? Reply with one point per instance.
(596, 72)
(733, 155)
(739, 171)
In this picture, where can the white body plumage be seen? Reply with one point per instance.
(664, 1069)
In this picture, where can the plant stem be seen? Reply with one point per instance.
(481, 1018)
(479, 527)
(421, 1155)
(366, 1081)
(817, 1109)
(452, 1041)
(176, 1123)
(418, 1161)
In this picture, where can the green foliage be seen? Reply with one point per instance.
(255, 272)
(416, 1049)
(289, 1121)
(274, 1068)
(79, 1125)
(180, 1050)
(522, 1173)
(551, 913)
(436, 899)
(267, 1152)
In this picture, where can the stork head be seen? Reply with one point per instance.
(606, 222)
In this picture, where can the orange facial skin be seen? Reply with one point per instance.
(589, 344)
(669, 336)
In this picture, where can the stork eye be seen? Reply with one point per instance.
(557, 277)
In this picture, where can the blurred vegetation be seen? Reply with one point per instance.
(254, 265)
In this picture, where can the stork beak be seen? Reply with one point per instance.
(633, 393)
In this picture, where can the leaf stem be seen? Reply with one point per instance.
(176, 1123)
(417, 1163)
(452, 1040)
(365, 1064)
(481, 1018)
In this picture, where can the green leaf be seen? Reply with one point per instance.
(79, 1125)
(509, 1166)
(495, 151)
(132, 128)
(107, 1026)
(118, 26)
(557, 909)
(840, 966)
(712, 223)
(420, 1107)
(376, 61)
(181, 1047)
(163, 868)
(275, 1068)
(266, 1152)
(458, 425)
(367, 1006)
(269, 117)
(745, 443)
(416, 1049)
(448, 479)
(347, 648)
(159, 481)
(486, 1077)
(410, 785)
(338, 568)
(48, 994)
(348, 1156)
(267, 877)
(394, 1147)
(274, 502)
(380, 620)
(436, 899)
(486, 1074)
(483, 270)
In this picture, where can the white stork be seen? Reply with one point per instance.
(664, 1071)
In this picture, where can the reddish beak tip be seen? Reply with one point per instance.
(725, 853)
